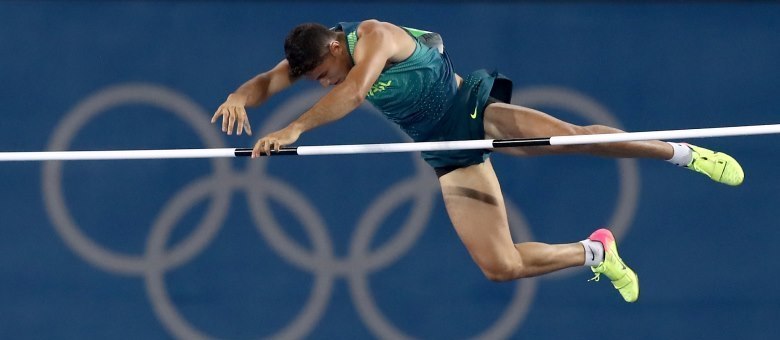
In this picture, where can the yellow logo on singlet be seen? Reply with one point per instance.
(379, 87)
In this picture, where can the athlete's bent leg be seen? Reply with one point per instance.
(476, 208)
(512, 121)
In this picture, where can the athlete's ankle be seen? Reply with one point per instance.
(594, 252)
(682, 155)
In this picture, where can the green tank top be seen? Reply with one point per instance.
(414, 93)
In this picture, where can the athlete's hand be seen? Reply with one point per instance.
(275, 141)
(232, 112)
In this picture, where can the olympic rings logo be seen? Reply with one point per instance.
(260, 188)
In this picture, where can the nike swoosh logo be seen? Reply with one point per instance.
(592, 254)
(474, 115)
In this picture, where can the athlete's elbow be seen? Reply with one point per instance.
(351, 95)
(358, 99)
(355, 97)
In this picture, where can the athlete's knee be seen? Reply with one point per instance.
(501, 270)
(592, 130)
(568, 129)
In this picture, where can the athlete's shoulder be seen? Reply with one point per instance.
(373, 25)
(370, 24)
(364, 26)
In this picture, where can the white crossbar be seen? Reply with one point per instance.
(395, 147)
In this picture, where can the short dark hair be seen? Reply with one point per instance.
(306, 47)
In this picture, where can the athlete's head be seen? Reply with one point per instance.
(314, 51)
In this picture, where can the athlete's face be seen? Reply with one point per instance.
(334, 67)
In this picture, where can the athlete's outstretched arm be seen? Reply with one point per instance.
(378, 42)
(252, 93)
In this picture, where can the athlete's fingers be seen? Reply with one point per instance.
(254, 149)
(262, 147)
(258, 147)
(247, 127)
(269, 147)
(240, 127)
(217, 114)
(225, 115)
(232, 121)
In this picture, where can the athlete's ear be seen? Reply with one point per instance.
(335, 47)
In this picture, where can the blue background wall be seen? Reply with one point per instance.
(359, 246)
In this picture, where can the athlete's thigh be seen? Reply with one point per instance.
(476, 208)
(514, 121)
(504, 121)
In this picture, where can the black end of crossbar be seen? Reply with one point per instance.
(508, 143)
(246, 152)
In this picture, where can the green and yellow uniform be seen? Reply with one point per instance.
(421, 95)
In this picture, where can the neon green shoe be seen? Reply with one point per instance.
(718, 166)
(623, 278)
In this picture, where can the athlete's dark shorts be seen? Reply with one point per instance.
(478, 90)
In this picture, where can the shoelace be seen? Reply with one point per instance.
(597, 275)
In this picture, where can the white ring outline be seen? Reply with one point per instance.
(510, 320)
(52, 175)
(165, 308)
